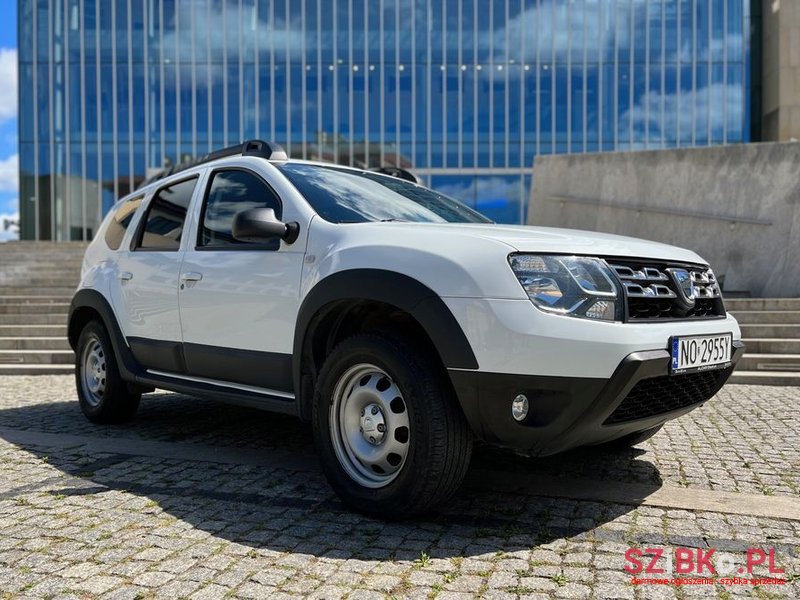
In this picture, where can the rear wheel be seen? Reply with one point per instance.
(392, 439)
(103, 395)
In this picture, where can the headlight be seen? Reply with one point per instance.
(575, 286)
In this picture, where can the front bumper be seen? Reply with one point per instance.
(567, 412)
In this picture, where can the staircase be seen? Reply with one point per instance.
(37, 280)
(771, 333)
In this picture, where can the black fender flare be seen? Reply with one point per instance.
(395, 289)
(87, 298)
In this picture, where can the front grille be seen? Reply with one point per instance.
(659, 291)
(659, 395)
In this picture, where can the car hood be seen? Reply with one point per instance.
(552, 240)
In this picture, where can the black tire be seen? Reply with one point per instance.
(103, 395)
(630, 440)
(438, 443)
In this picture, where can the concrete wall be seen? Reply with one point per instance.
(781, 70)
(737, 206)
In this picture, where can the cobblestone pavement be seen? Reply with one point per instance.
(203, 500)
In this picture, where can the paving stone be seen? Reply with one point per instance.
(86, 524)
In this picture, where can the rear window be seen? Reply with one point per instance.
(120, 221)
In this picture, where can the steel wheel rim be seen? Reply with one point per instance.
(369, 425)
(93, 372)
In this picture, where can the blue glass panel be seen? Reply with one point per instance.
(201, 101)
(639, 110)
(137, 29)
(702, 30)
(576, 111)
(91, 107)
(623, 107)
(469, 24)
(623, 21)
(546, 110)
(562, 104)
(655, 28)
(686, 106)
(120, 37)
(26, 10)
(686, 34)
(593, 93)
(26, 100)
(735, 108)
(122, 105)
(671, 106)
(608, 34)
(453, 16)
(640, 30)
(72, 27)
(717, 104)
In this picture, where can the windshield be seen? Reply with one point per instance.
(346, 196)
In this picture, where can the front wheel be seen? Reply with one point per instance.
(103, 395)
(392, 439)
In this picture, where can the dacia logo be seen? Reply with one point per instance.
(686, 288)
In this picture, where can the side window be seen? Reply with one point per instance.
(165, 217)
(230, 192)
(120, 221)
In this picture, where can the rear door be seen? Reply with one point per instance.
(239, 301)
(145, 289)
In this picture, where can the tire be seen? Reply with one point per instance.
(381, 387)
(630, 440)
(103, 395)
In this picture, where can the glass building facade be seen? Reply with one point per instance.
(466, 93)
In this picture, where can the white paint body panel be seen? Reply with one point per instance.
(513, 336)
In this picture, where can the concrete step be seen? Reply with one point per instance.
(45, 319)
(64, 282)
(33, 330)
(34, 309)
(735, 304)
(783, 331)
(37, 357)
(767, 317)
(23, 299)
(770, 362)
(765, 378)
(772, 346)
(34, 343)
(30, 290)
(26, 369)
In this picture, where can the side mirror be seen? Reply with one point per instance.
(261, 225)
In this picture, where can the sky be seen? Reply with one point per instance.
(9, 175)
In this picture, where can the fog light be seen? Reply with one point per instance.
(519, 407)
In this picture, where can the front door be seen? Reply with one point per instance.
(239, 301)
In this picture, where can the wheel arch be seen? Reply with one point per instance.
(336, 301)
(88, 305)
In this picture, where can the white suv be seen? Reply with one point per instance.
(400, 322)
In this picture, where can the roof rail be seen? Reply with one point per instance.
(260, 148)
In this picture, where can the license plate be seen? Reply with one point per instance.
(701, 353)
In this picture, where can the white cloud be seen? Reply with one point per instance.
(708, 108)
(7, 230)
(8, 89)
(9, 174)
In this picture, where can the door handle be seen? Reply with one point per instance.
(125, 276)
(191, 277)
